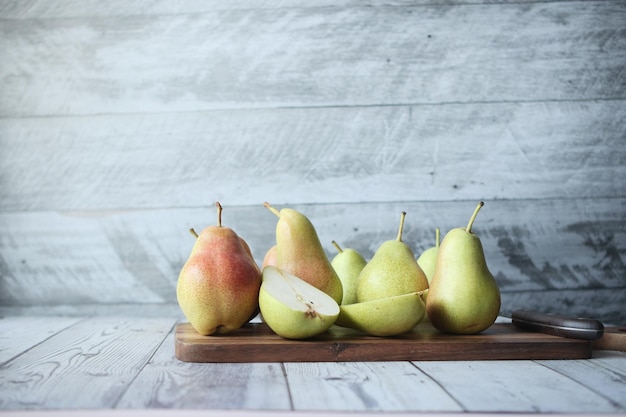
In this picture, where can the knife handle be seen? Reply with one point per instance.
(564, 326)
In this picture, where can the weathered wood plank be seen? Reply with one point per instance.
(306, 156)
(18, 334)
(605, 374)
(166, 382)
(515, 386)
(97, 358)
(113, 363)
(323, 56)
(544, 253)
(355, 386)
(36, 9)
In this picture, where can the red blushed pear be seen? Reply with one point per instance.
(463, 297)
(218, 286)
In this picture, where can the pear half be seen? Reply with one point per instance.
(293, 308)
(389, 316)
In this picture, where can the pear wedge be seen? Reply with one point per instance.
(293, 308)
(389, 316)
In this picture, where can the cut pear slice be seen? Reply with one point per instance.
(389, 316)
(293, 308)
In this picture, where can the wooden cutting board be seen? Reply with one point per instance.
(255, 342)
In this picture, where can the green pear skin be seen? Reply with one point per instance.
(300, 252)
(385, 316)
(463, 297)
(428, 258)
(393, 270)
(218, 286)
(348, 263)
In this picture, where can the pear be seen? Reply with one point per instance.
(270, 257)
(427, 261)
(389, 316)
(348, 263)
(218, 286)
(300, 252)
(428, 258)
(393, 270)
(293, 308)
(464, 297)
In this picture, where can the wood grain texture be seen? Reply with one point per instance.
(18, 334)
(605, 374)
(515, 386)
(324, 56)
(349, 155)
(106, 364)
(88, 365)
(122, 122)
(572, 263)
(255, 342)
(371, 386)
(37, 9)
(166, 382)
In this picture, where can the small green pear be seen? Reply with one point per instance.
(393, 270)
(464, 297)
(348, 264)
(293, 308)
(218, 286)
(300, 252)
(428, 258)
(385, 316)
(427, 261)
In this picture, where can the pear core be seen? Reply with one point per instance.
(293, 308)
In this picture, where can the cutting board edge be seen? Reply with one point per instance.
(263, 350)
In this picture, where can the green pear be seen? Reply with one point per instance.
(464, 297)
(348, 264)
(427, 261)
(300, 252)
(218, 286)
(428, 258)
(389, 316)
(293, 308)
(393, 270)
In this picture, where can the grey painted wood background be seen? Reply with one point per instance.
(122, 122)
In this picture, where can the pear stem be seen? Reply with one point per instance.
(193, 232)
(468, 229)
(272, 209)
(219, 213)
(335, 244)
(402, 216)
(437, 237)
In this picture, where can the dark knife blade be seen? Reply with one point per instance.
(558, 325)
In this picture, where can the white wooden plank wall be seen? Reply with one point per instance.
(121, 123)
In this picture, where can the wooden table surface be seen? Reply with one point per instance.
(121, 363)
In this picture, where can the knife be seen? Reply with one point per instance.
(558, 325)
